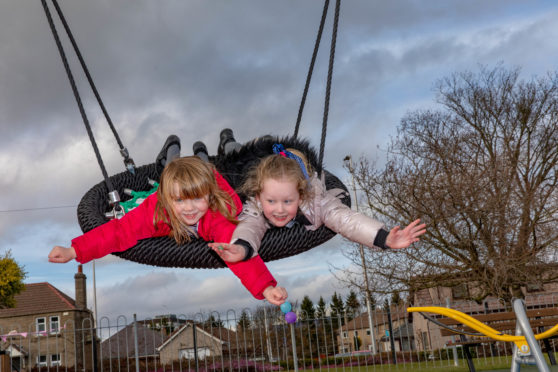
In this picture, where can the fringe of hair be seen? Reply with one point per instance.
(277, 167)
(196, 179)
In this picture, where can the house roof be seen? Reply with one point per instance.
(379, 318)
(39, 298)
(15, 350)
(221, 335)
(122, 342)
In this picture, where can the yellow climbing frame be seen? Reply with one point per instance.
(479, 326)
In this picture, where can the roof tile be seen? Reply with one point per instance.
(38, 298)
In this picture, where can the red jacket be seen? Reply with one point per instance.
(120, 234)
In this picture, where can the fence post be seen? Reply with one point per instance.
(195, 345)
(267, 341)
(454, 347)
(391, 340)
(371, 325)
(293, 340)
(136, 342)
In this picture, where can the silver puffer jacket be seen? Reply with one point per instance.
(323, 208)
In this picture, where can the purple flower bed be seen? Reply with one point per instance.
(244, 365)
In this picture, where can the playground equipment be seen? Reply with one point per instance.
(526, 347)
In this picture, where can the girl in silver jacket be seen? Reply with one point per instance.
(283, 191)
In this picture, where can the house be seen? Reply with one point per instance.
(47, 328)
(403, 339)
(355, 335)
(122, 343)
(428, 335)
(168, 322)
(189, 339)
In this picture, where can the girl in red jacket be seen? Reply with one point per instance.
(193, 199)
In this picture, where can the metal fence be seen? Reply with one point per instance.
(250, 340)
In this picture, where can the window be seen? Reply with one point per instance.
(460, 291)
(40, 324)
(55, 360)
(534, 287)
(188, 353)
(424, 337)
(54, 324)
(368, 332)
(345, 334)
(42, 360)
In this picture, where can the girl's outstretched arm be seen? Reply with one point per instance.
(60, 254)
(229, 252)
(275, 295)
(398, 239)
(254, 275)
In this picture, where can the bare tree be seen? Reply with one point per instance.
(481, 171)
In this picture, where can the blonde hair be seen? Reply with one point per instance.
(195, 179)
(278, 167)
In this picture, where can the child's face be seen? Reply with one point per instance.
(280, 201)
(188, 211)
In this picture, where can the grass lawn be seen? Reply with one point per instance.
(489, 364)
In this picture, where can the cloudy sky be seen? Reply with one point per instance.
(194, 67)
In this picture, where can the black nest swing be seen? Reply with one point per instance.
(164, 251)
(277, 243)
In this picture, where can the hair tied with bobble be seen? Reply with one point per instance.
(279, 149)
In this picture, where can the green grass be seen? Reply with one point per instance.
(481, 364)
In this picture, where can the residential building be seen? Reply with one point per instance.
(167, 322)
(121, 345)
(188, 340)
(355, 335)
(47, 328)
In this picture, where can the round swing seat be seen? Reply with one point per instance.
(164, 251)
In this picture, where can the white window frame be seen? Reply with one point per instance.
(39, 363)
(54, 330)
(188, 353)
(345, 334)
(40, 322)
(55, 360)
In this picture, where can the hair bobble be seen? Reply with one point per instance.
(279, 149)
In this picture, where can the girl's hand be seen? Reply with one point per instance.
(275, 295)
(229, 252)
(61, 254)
(398, 239)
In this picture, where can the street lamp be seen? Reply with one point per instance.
(349, 164)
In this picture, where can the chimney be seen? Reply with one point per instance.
(81, 294)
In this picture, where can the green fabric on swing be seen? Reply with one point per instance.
(137, 198)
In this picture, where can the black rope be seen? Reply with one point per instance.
(123, 151)
(76, 95)
(329, 77)
(454, 330)
(311, 68)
